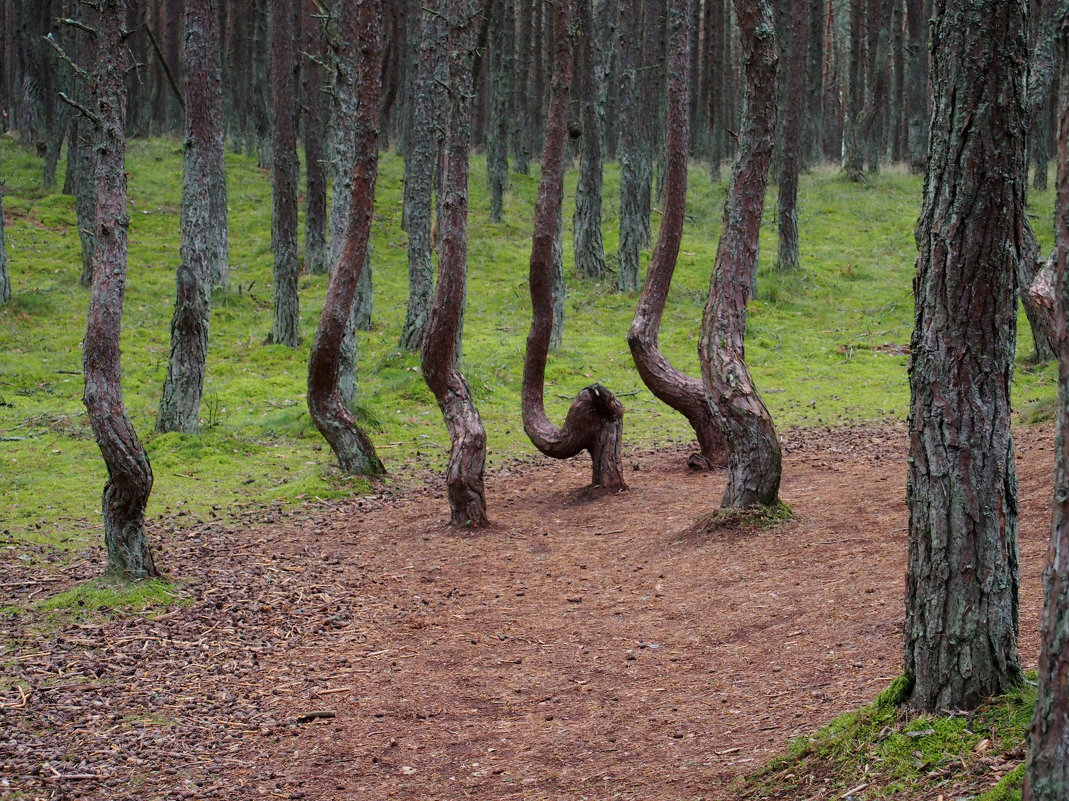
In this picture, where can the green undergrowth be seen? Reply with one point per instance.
(827, 344)
(881, 752)
(104, 594)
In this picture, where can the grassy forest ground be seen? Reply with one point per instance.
(265, 541)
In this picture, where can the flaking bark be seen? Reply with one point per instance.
(332, 417)
(683, 393)
(595, 420)
(754, 459)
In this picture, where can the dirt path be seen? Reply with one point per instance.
(578, 649)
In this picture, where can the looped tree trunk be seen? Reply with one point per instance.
(595, 419)
(683, 393)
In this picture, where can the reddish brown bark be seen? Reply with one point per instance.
(438, 354)
(754, 454)
(332, 417)
(595, 420)
(683, 393)
(1047, 770)
(129, 474)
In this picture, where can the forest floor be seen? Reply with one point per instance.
(582, 647)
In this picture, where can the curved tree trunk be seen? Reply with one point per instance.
(203, 154)
(419, 171)
(332, 417)
(1047, 769)
(439, 357)
(754, 461)
(792, 144)
(129, 481)
(586, 222)
(961, 585)
(286, 328)
(595, 420)
(684, 394)
(1037, 308)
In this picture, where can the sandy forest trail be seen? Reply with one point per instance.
(578, 649)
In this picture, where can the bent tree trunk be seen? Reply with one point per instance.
(684, 394)
(129, 474)
(180, 405)
(332, 417)
(754, 460)
(961, 584)
(1047, 770)
(439, 358)
(595, 420)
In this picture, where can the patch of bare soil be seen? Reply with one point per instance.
(580, 648)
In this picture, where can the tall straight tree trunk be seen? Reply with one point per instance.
(5, 280)
(497, 131)
(203, 154)
(595, 420)
(586, 221)
(814, 84)
(129, 481)
(792, 144)
(853, 154)
(332, 417)
(1047, 767)
(684, 394)
(521, 154)
(754, 460)
(898, 88)
(916, 84)
(284, 167)
(961, 585)
(634, 165)
(315, 205)
(439, 357)
(432, 72)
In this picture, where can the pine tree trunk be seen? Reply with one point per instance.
(586, 221)
(284, 167)
(853, 154)
(521, 154)
(129, 481)
(332, 417)
(595, 420)
(790, 151)
(684, 394)
(754, 461)
(634, 164)
(917, 104)
(439, 358)
(497, 131)
(316, 260)
(1047, 768)
(419, 170)
(814, 84)
(180, 405)
(961, 586)
(5, 280)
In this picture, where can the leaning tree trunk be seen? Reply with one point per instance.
(586, 221)
(792, 144)
(1047, 769)
(684, 394)
(5, 280)
(419, 170)
(439, 357)
(129, 474)
(961, 585)
(332, 417)
(180, 406)
(595, 420)
(286, 328)
(754, 461)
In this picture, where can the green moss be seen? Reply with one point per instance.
(109, 593)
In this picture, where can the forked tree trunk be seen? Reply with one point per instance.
(439, 358)
(586, 222)
(684, 394)
(792, 144)
(129, 474)
(961, 584)
(754, 461)
(332, 417)
(286, 328)
(419, 171)
(1047, 768)
(203, 154)
(595, 420)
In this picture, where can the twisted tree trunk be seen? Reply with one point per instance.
(754, 461)
(595, 419)
(332, 417)
(684, 394)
